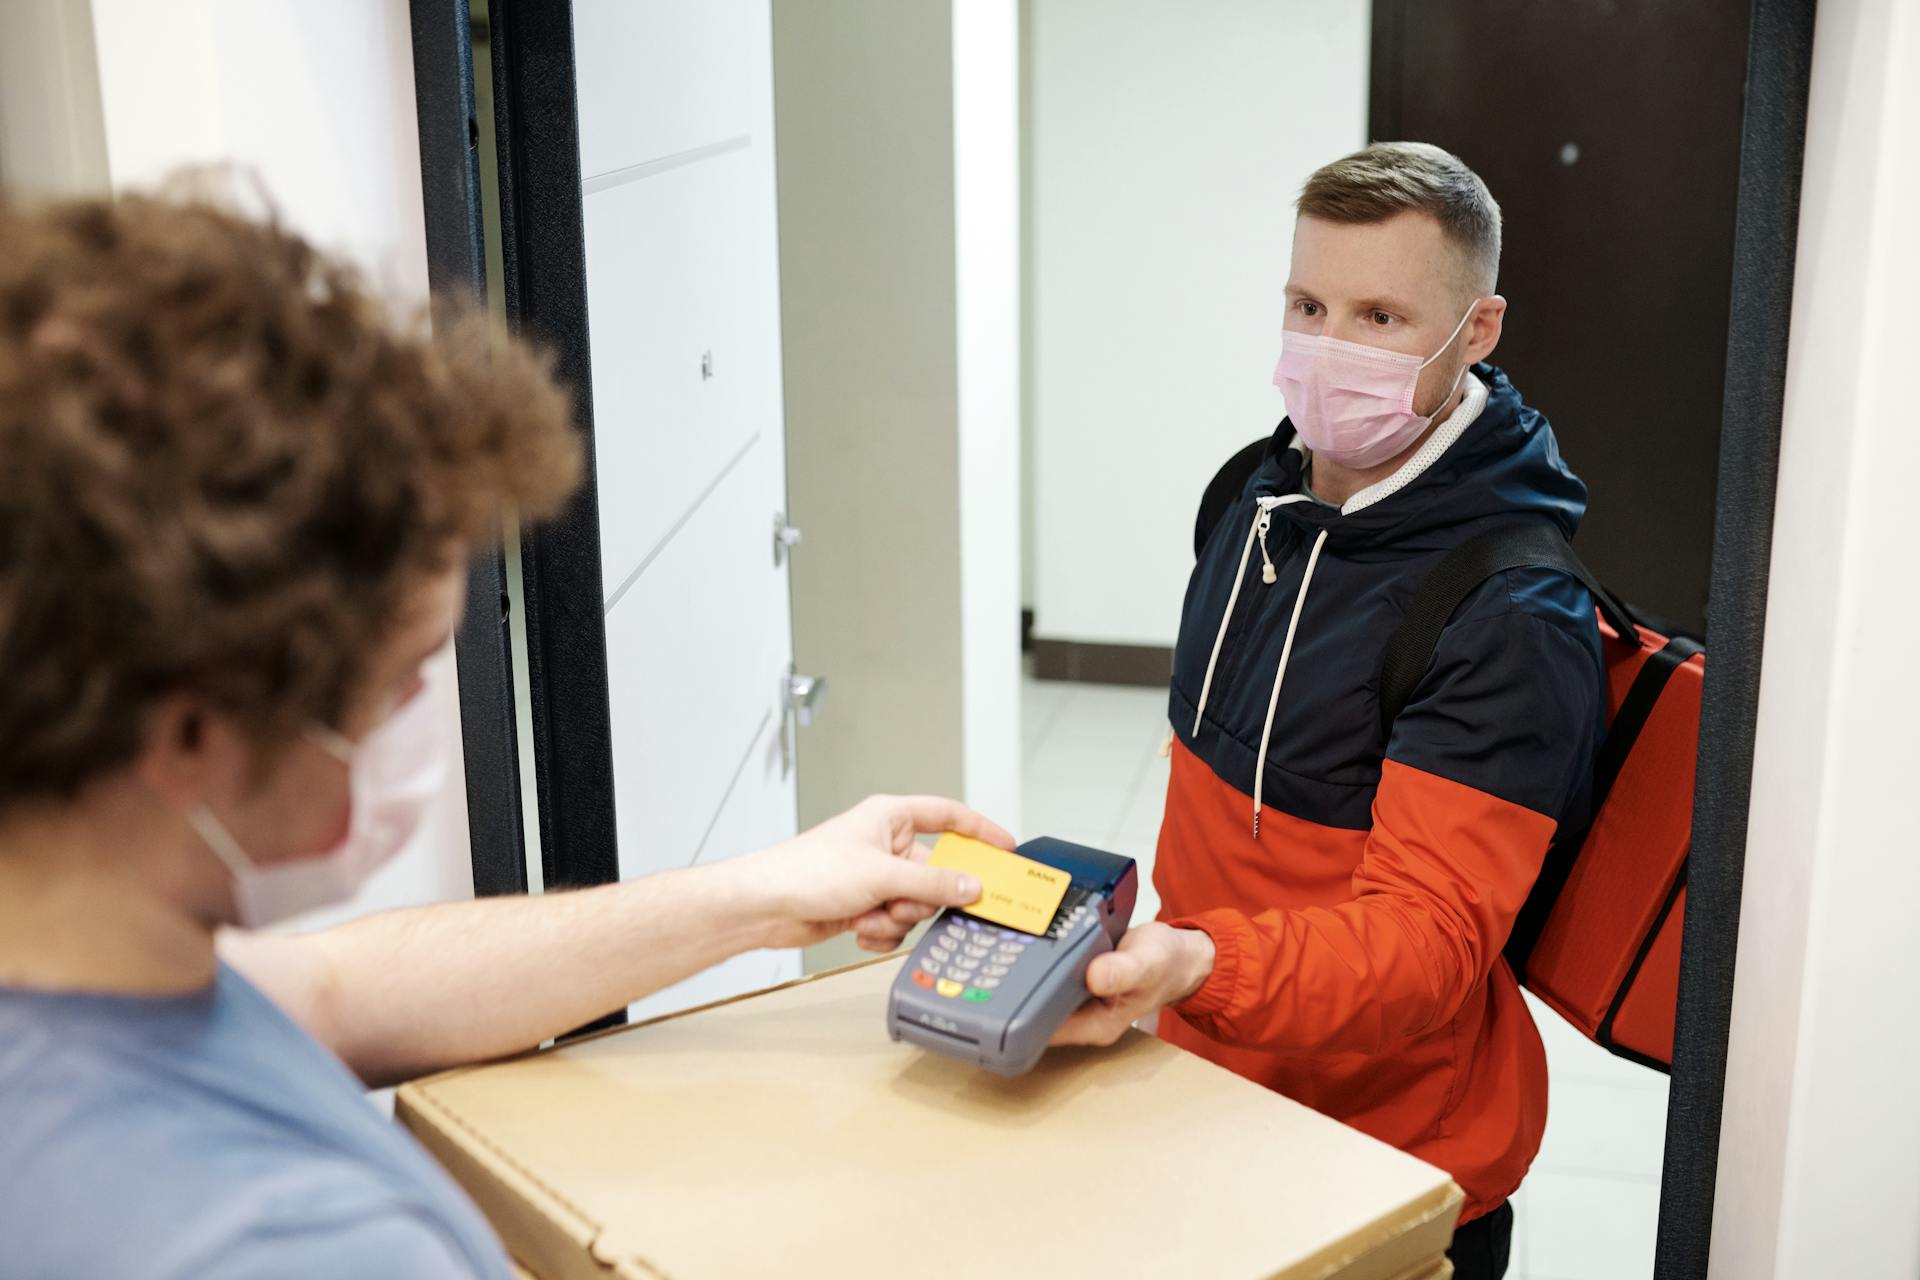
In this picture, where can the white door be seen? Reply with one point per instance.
(676, 156)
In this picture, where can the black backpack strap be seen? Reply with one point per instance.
(1458, 575)
(1224, 490)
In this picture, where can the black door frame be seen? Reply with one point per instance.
(1766, 231)
(543, 256)
(456, 263)
(1766, 227)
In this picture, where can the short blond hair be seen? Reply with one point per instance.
(1389, 178)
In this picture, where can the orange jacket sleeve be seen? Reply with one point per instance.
(1444, 872)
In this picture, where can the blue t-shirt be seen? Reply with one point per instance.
(208, 1136)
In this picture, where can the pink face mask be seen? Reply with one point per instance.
(1353, 404)
(394, 774)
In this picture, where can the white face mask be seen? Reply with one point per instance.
(393, 775)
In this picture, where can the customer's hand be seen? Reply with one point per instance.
(1153, 966)
(864, 871)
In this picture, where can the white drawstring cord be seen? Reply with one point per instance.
(1267, 573)
(1273, 700)
(1206, 685)
(1262, 521)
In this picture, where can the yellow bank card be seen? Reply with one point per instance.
(1014, 891)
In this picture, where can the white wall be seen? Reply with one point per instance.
(986, 166)
(1168, 142)
(317, 100)
(1820, 1141)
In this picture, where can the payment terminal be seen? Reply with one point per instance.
(994, 996)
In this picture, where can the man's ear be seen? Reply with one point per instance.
(1483, 331)
(184, 748)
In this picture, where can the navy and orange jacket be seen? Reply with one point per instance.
(1359, 910)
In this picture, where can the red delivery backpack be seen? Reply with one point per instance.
(1599, 936)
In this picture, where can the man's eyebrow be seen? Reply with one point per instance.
(1382, 302)
(1385, 302)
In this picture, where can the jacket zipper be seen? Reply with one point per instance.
(1232, 654)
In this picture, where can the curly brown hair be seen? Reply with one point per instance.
(223, 463)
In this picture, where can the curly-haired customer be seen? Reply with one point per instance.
(237, 503)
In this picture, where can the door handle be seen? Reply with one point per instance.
(785, 538)
(803, 694)
(799, 699)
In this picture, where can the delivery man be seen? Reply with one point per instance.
(234, 523)
(1335, 899)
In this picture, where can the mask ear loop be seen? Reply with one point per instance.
(331, 741)
(214, 834)
(1471, 308)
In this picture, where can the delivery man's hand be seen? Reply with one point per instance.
(864, 871)
(1154, 966)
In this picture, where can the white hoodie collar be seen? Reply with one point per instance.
(1429, 453)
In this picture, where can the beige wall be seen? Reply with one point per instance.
(863, 102)
(1029, 573)
(53, 141)
(899, 249)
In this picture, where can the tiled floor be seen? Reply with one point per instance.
(1093, 774)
